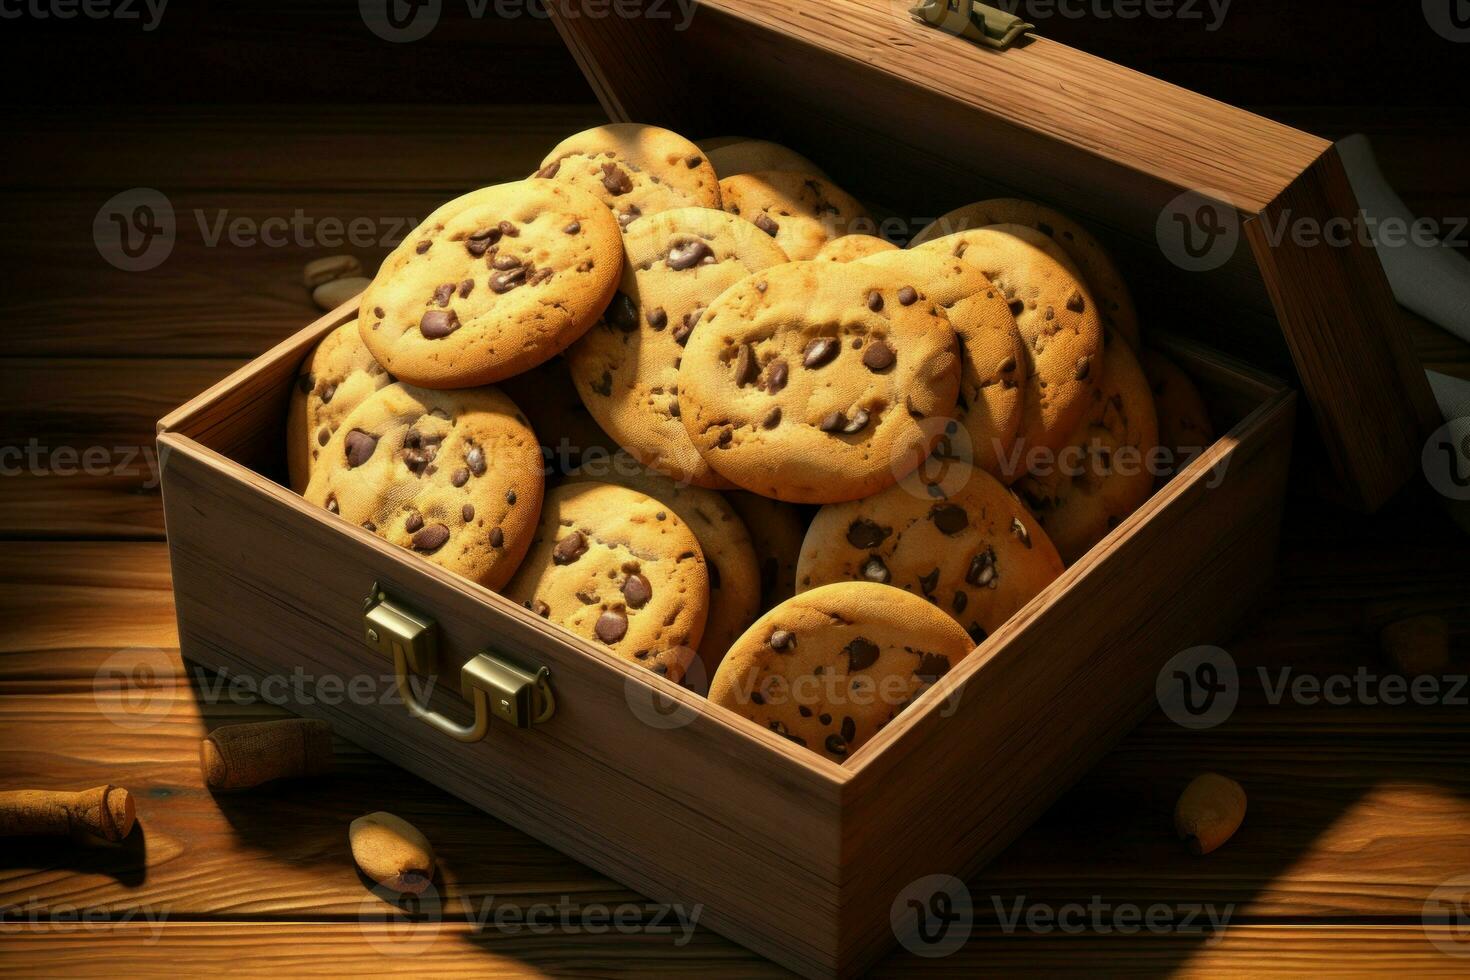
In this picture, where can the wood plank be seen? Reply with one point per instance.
(305, 148)
(589, 947)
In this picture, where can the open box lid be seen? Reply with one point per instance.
(1232, 228)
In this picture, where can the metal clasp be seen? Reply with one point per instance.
(976, 22)
(494, 684)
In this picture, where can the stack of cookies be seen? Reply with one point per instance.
(791, 465)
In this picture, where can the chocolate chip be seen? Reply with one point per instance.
(1075, 302)
(422, 247)
(437, 324)
(615, 180)
(331, 505)
(360, 446)
(510, 497)
(767, 224)
(504, 262)
(1008, 365)
(539, 608)
(674, 410)
(569, 548)
(549, 170)
(861, 653)
(781, 640)
(573, 228)
(431, 538)
(864, 533)
(780, 729)
(479, 243)
(875, 571)
(413, 522)
(907, 295)
(824, 718)
(775, 376)
(772, 419)
(1084, 365)
(726, 434)
(928, 580)
(509, 230)
(497, 537)
(504, 282)
(878, 357)
(949, 518)
(657, 318)
(465, 287)
(460, 477)
(959, 601)
(622, 313)
(467, 513)
(327, 392)
(832, 421)
(857, 423)
(977, 632)
(693, 161)
(746, 368)
(627, 217)
(982, 568)
(323, 436)
(1017, 307)
(819, 351)
(848, 729)
(932, 666)
(637, 590)
(370, 526)
(611, 626)
(688, 254)
(836, 746)
(475, 460)
(1019, 530)
(442, 294)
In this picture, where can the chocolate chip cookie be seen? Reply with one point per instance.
(992, 357)
(634, 169)
(492, 284)
(729, 556)
(1059, 324)
(776, 530)
(850, 248)
(620, 569)
(1104, 472)
(627, 366)
(801, 211)
(815, 382)
(973, 550)
(830, 668)
(332, 381)
(454, 476)
(1185, 428)
(731, 155)
(1096, 266)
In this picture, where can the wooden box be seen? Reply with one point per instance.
(783, 850)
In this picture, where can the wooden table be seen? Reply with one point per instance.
(1358, 811)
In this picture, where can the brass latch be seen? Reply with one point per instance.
(494, 684)
(973, 21)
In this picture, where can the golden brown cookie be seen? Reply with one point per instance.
(619, 569)
(815, 382)
(335, 377)
(454, 476)
(1059, 324)
(729, 556)
(830, 667)
(567, 432)
(1097, 268)
(1185, 428)
(731, 155)
(992, 357)
(776, 530)
(1102, 474)
(492, 284)
(850, 248)
(800, 211)
(973, 550)
(634, 169)
(626, 368)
